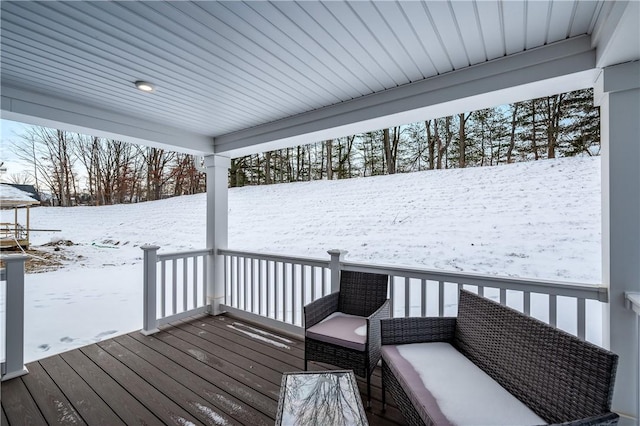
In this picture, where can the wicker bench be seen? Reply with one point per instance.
(554, 376)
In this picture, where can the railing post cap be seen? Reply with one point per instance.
(337, 252)
(13, 257)
(149, 247)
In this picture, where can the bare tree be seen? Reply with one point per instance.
(391, 148)
(157, 163)
(462, 139)
(329, 147)
(50, 152)
(21, 178)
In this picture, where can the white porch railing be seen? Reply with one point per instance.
(175, 286)
(274, 286)
(278, 287)
(12, 278)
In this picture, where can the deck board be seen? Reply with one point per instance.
(20, 407)
(88, 404)
(3, 418)
(192, 390)
(49, 398)
(205, 370)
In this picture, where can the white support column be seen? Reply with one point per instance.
(14, 333)
(617, 93)
(217, 226)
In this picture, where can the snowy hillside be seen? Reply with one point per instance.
(534, 220)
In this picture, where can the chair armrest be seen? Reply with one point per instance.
(373, 322)
(319, 309)
(373, 332)
(603, 419)
(398, 331)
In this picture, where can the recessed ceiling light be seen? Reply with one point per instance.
(145, 86)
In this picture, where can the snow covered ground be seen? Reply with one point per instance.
(533, 220)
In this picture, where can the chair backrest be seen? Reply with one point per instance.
(362, 293)
(557, 375)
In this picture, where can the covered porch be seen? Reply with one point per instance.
(274, 75)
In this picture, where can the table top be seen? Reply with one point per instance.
(320, 397)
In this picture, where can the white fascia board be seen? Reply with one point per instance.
(35, 108)
(616, 36)
(555, 68)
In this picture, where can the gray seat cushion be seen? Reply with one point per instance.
(447, 388)
(340, 329)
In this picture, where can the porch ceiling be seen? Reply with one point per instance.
(230, 75)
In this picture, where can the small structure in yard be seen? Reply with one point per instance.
(19, 198)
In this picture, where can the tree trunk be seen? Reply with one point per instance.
(430, 144)
(534, 136)
(329, 145)
(512, 140)
(391, 149)
(462, 140)
(267, 168)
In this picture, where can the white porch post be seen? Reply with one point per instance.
(217, 226)
(618, 95)
(336, 258)
(14, 297)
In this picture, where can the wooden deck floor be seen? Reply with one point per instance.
(206, 370)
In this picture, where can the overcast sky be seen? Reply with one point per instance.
(11, 131)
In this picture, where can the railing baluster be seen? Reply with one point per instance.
(276, 293)
(285, 277)
(227, 281)
(407, 297)
(268, 267)
(294, 293)
(323, 291)
(163, 288)
(303, 271)
(392, 295)
(185, 297)
(581, 317)
(174, 285)
(480, 290)
(259, 281)
(440, 298)
(553, 309)
(232, 274)
(527, 302)
(245, 276)
(204, 279)
(423, 297)
(194, 290)
(313, 283)
(503, 296)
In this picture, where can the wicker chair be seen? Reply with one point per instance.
(335, 324)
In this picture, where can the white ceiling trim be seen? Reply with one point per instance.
(491, 83)
(44, 110)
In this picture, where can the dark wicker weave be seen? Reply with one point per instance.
(563, 379)
(361, 294)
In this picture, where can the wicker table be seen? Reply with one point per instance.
(320, 397)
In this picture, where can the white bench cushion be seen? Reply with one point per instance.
(442, 382)
(345, 330)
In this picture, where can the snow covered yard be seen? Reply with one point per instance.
(533, 220)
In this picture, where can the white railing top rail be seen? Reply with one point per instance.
(570, 289)
(183, 254)
(633, 301)
(277, 257)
